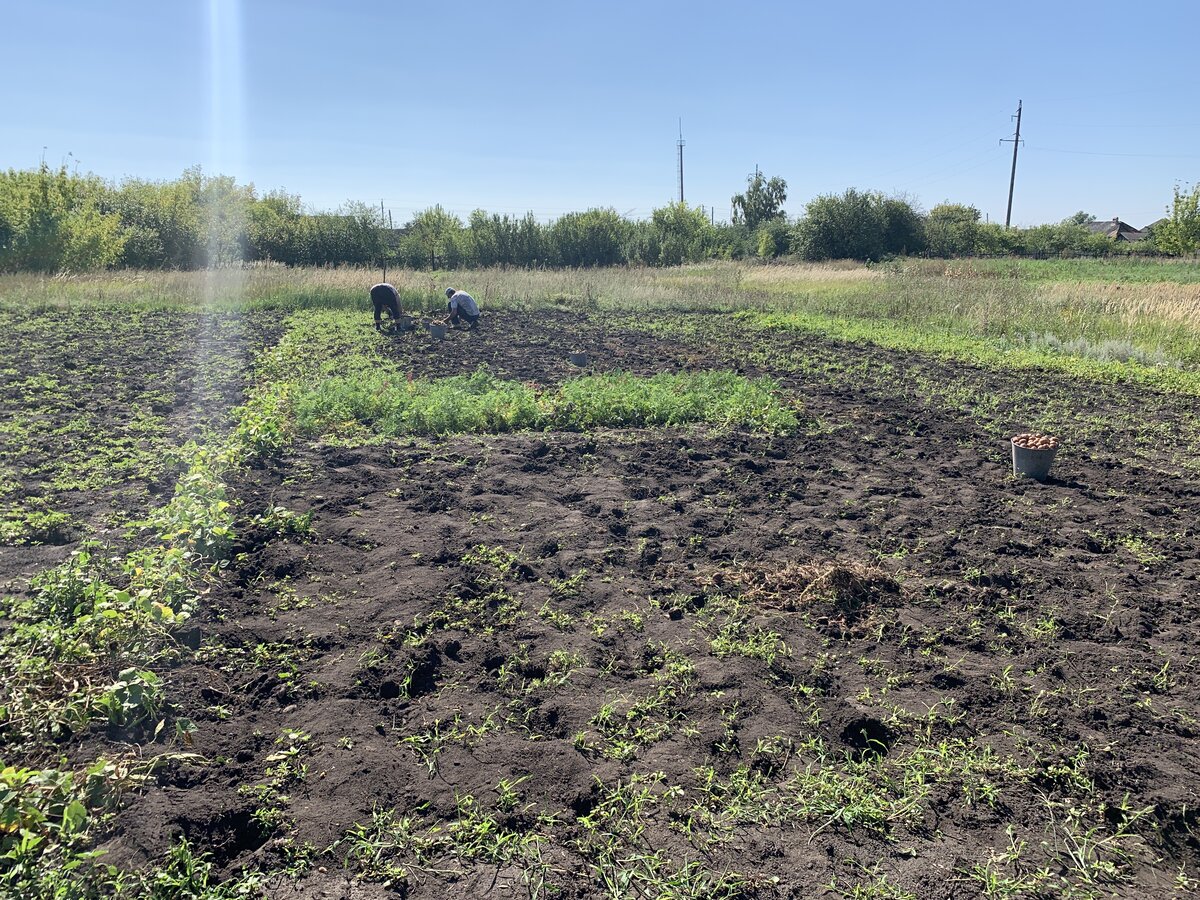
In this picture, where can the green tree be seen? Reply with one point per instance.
(1179, 233)
(195, 221)
(163, 220)
(762, 202)
(435, 238)
(952, 229)
(847, 226)
(597, 237)
(225, 208)
(735, 241)
(993, 239)
(857, 224)
(54, 221)
(677, 233)
(486, 238)
(903, 227)
(772, 238)
(276, 229)
(352, 234)
(506, 240)
(529, 241)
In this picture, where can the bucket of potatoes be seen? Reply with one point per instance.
(1033, 454)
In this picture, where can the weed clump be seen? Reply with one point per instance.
(849, 587)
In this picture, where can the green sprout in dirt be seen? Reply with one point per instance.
(431, 739)
(397, 847)
(288, 768)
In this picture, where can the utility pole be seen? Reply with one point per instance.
(382, 244)
(680, 146)
(1012, 179)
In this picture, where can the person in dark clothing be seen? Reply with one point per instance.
(384, 296)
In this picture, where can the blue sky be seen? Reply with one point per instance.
(553, 107)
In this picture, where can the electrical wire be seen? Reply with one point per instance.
(1125, 155)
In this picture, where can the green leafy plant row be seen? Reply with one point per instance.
(383, 403)
(109, 621)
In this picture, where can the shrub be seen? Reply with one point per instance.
(52, 221)
(952, 229)
(772, 238)
(862, 225)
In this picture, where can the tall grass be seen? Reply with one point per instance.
(1153, 306)
(1119, 363)
(1124, 270)
(1157, 321)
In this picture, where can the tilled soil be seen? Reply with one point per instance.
(127, 387)
(1047, 624)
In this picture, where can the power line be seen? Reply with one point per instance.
(933, 156)
(970, 164)
(1127, 155)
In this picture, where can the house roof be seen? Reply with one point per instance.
(1115, 229)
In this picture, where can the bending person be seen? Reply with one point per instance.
(384, 296)
(463, 308)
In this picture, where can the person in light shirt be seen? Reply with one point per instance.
(463, 308)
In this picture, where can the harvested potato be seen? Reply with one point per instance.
(1031, 440)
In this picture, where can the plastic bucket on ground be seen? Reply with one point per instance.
(579, 358)
(437, 332)
(404, 324)
(1033, 463)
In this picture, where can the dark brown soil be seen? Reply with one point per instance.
(103, 397)
(1051, 624)
(536, 346)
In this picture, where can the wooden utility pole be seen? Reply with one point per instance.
(1012, 179)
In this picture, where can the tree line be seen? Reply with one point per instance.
(53, 220)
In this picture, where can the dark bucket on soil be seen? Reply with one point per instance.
(1033, 463)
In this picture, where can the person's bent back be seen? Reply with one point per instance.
(384, 296)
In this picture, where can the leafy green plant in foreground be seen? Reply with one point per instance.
(48, 818)
(108, 621)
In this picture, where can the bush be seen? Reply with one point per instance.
(677, 233)
(52, 221)
(862, 225)
(772, 238)
(1179, 233)
(598, 237)
(952, 229)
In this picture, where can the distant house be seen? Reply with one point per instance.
(1117, 230)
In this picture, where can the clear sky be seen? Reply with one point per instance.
(559, 106)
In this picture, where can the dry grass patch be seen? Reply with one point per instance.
(850, 587)
(1132, 303)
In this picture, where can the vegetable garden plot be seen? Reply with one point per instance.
(701, 662)
(95, 404)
